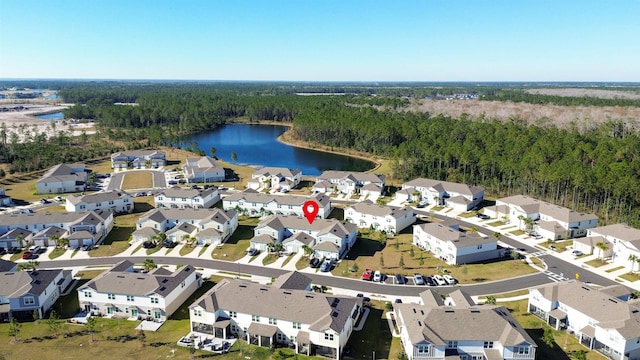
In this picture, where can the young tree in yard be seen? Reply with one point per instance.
(142, 337)
(149, 264)
(411, 252)
(497, 235)
(53, 323)
(381, 261)
(602, 246)
(212, 151)
(490, 300)
(401, 262)
(36, 315)
(91, 326)
(421, 261)
(307, 250)
(547, 337)
(14, 329)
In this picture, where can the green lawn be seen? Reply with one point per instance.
(631, 276)
(235, 247)
(596, 263)
(137, 180)
(270, 259)
(187, 249)
(56, 253)
(154, 250)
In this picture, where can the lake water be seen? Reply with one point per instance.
(52, 116)
(258, 145)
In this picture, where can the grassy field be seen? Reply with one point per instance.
(368, 252)
(137, 180)
(235, 247)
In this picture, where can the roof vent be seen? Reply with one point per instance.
(419, 323)
(334, 314)
(242, 285)
(165, 280)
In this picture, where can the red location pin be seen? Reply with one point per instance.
(310, 210)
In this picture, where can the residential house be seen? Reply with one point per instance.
(550, 221)
(63, 178)
(181, 198)
(323, 187)
(603, 319)
(311, 323)
(23, 292)
(458, 196)
(434, 331)
(258, 204)
(97, 224)
(203, 169)
(124, 292)
(392, 220)
(331, 238)
(276, 178)
(455, 247)
(117, 201)
(15, 238)
(5, 200)
(138, 159)
(6, 265)
(207, 226)
(349, 182)
(620, 242)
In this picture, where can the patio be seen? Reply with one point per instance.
(213, 344)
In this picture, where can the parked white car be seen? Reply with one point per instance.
(377, 276)
(449, 279)
(439, 280)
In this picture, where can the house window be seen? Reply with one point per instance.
(328, 336)
(111, 296)
(452, 344)
(233, 314)
(154, 300)
(488, 344)
(29, 300)
(273, 321)
(129, 297)
(292, 338)
(182, 285)
(255, 318)
(87, 294)
(297, 325)
(523, 350)
(479, 246)
(423, 349)
(197, 312)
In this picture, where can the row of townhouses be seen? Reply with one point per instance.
(391, 220)
(621, 244)
(181, 198)
(460, 197)
(276, 178)
(203, 169)
(349, 182)
(138, 159)
(63, 178)
(255, 204)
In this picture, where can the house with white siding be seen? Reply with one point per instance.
(203, 169)
(311, 323)
(622, 244)
(469, 332)
(331, 238)
(349, 182)
(603, 319)
(22, 292)
(458, 196)
(181, 198)
(138, 159)
(391, 220)
(124, 292)
(5, 200)
(117, 201)
(276, 178)
(63, 178)
(207, 226)
(551, 221)
(455, 247)
(256, 204)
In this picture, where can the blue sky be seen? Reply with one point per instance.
(328, 40)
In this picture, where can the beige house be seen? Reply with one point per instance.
(138, 159)
(180, 198)
(392, 220)
(458, 196)
(203, 169)
(117, 201)
(63, 178)
(276, 178)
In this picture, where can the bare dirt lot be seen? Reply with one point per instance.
(579, 92)
(584, 117)
(14, 119)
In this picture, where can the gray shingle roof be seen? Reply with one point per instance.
(99, 197)
(457, 238)
(178, 192)
(323, 226)
(216, 215)
(447, 186)
(292, 281)
(369, 208)
(18, 283)
(531, 205)
(277, 171)
(295, 200)
(64, 172)
(353, 175)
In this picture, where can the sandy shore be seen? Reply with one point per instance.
(14, 120)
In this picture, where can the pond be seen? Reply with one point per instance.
(52, 116)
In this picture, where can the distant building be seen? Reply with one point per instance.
(63, 178)
(117, 201)
(276, 178)
(621, 241)
(366, 214)
(203, 169)
(5, 200)
(349, 182)
(138, 159)
(257, 204)
(180, 198)
(454, 195)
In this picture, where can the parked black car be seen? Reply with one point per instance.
(253, 252)
(315, 263)
(429, 280)
(149, 244)
(483, 216)
(400, 279)
(170, 244)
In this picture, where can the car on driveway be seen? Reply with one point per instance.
(44, 201)
(315, 263)
(253, 252)
(149, 244)
(34, 249)
(85, 247)
(577, 253)
(399, 278)
(27, 255)
(439, 280)
(377, 276)
(367, 275)
(418, 279)
(326, 265)
(483, 216)
(449, 279)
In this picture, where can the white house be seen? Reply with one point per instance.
(448, 243)
(177, 197)
(621, 241)
(458, 196)
(117, 201)
(16, 237)
(259, 204)
(348, 182)
(311, 323)
(94, 225)
(63, 178)
(332, 238)
(124, 292)
(22, 292)
(138, 159)
(5, 200)
(203, 169)
(433, 331)
(603, 319)
(551, 221)
(277, 178)
(392, 220)
(208, 226)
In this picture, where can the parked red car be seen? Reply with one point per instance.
(367, 275)
(27, 255)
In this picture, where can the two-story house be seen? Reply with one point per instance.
(124, 292)
(63, 178)
(465, 332)
(276, 178)
(117, 201)
(207, 226)
(458, 196)
(447, 242)
(328, 238)
(311, 323)
(392, 220)
(603, 319)
(348, 182)
(257, 204)
(5, 200)
(203, 169)
(181, 198)
(22, 292)
(138, 159)
(622, 244)
(551, 221)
